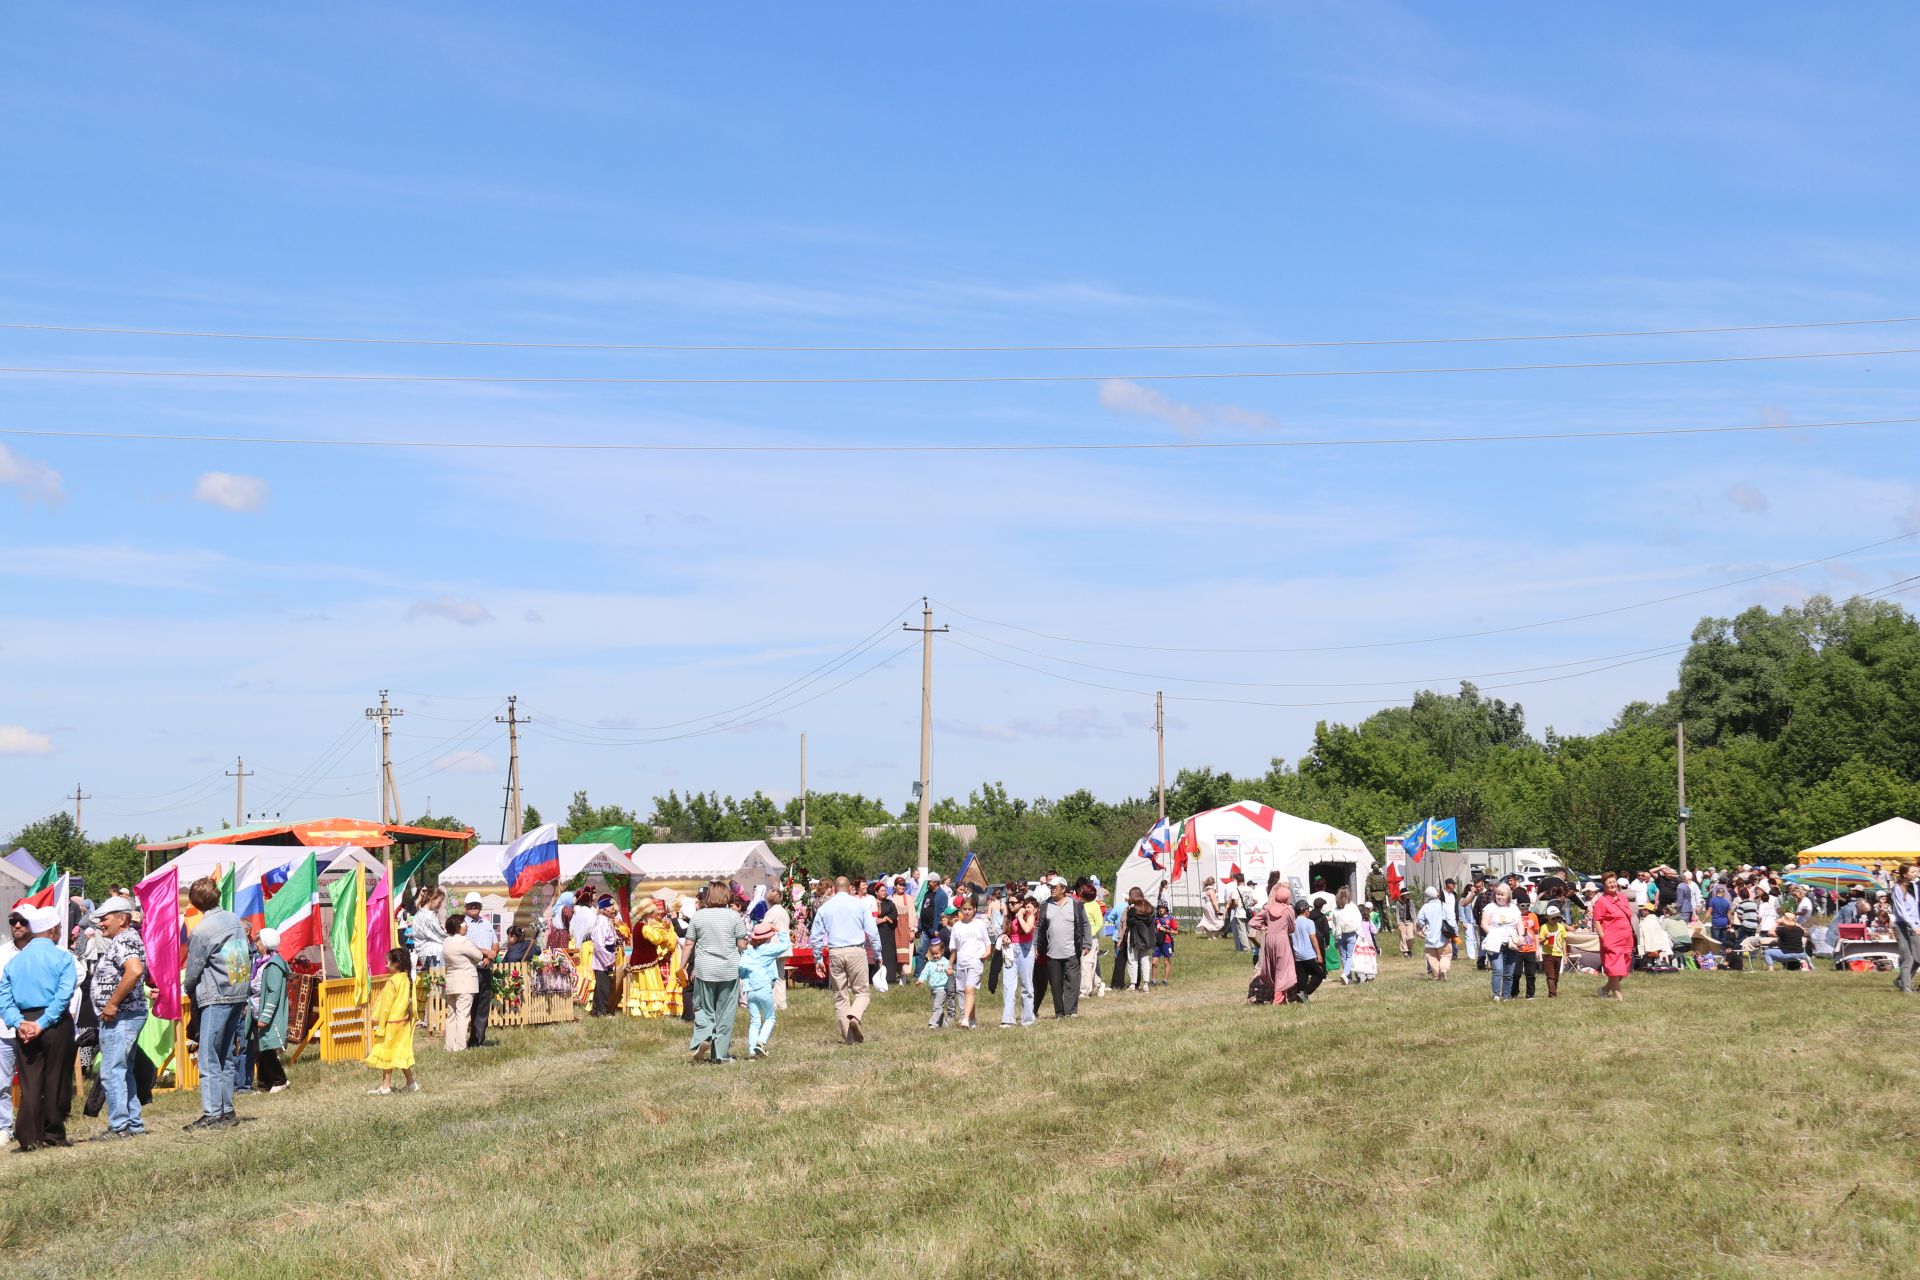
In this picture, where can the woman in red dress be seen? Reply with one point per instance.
(1612, 920)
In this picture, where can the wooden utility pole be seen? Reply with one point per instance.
(1160, 732)
(389, 791)
(926, 630)
(1680, 768)
(803, 786)
(511, 820)
(79, 797)
(239, 773)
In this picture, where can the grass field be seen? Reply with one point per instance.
(1710, 1125)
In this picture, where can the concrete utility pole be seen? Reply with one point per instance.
(80, 796)
(239, 773)
(512, 819)
(1160, 732)
(803, 786)
(389, 792)
(926, 630)
(1680, 767)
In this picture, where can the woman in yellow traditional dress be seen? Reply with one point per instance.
(391, 1025)
(655, 980)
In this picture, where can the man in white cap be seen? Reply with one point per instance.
(34, 992)
(481, 934)
(10, 945)
(120, 998)
(1061, 938)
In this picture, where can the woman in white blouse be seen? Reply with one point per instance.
(1499, 930)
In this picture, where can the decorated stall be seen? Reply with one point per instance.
(751, 864)
(1884, 846)
(1244, 841)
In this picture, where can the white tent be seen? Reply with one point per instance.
(479, 867)
(1886, 843)
(1255, 840)
(688, 866)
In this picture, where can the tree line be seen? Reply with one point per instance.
(1801, 725)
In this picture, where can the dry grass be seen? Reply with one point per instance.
(1728, 1125)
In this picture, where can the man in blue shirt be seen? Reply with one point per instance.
(1906, 925)
(34, 993)
(843, 938)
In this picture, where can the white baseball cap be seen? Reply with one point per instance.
(473, 899)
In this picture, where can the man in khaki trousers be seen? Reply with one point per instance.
(844, 940)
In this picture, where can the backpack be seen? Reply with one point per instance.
(1259, 991)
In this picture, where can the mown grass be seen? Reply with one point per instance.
(1725, 1125)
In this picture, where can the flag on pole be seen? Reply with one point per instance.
(47, 889)
(250, 899)
(532, 859)
(159, 897)
(229, 885)
(379, 926)
(347, 935)
(1187, 847)
(404, 874)
(156, 1040)
(295, 909)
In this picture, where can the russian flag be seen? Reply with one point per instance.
(249, 900)
(532, 859)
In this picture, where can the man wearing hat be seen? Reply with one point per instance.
(120, 999)
(1062, 937)
(481, 934)
(15, 938)
(606, 955)
(34, 991)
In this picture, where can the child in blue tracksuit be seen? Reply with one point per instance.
(760, 966)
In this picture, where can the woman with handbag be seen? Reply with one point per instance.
(1436, 934)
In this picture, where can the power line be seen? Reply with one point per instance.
(1125, 446)
(747, 348)
(833, 664)
(1305, 684)
(1344, 702)
(736, 724)
(281, 375)
(1462, 635)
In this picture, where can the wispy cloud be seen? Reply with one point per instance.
(468, 613)
(231, 492)
(36, 482)
(909, 298)
(464, 762)
(1748, 499)
(1131, 399)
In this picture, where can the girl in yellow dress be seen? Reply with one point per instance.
(391, 1025)
(655, 980)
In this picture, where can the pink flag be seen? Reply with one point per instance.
(159, 896)
(379, 926)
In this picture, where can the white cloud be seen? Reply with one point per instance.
(1134, 400)
(1748, 499)
(17, 740)
(468, 613)
(231, 492)
(36, 481)
(464, 762)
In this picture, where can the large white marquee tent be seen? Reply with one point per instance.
(1254, 840)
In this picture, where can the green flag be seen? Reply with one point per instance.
(48, 874)
(156, 1041)
(405, 872)
(621, 837)
(344, 893)
(227, 878)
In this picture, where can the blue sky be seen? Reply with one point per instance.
(897, 176)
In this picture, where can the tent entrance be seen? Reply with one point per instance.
(1332, 877)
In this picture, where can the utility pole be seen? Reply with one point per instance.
(239, 773)
(803, 786)
(510, 821)
(79, 796)
(1680, 767)
(389, 792)
(1160, 731)
(926, 630)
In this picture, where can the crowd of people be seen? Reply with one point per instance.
(711, 957)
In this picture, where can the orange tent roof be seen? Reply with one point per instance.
(325, 831)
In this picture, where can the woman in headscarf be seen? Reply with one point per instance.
(1276, 953)
(1213, 921)
(655, 979)
(1611, 916)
